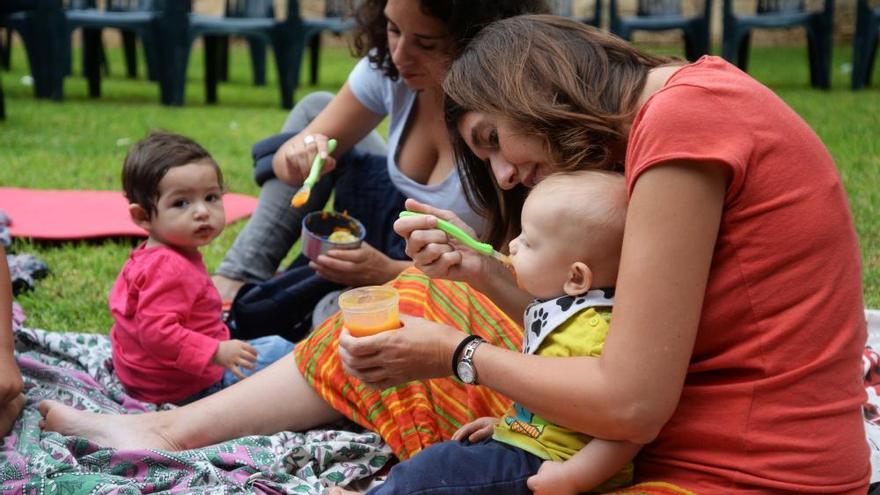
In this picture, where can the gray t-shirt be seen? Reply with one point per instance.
(383, 96)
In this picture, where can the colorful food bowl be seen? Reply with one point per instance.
(326, 230)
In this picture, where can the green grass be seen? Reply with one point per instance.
(81, 142)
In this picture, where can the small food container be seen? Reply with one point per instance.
(370, 310)
(326, 230)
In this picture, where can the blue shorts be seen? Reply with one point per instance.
(269, 349)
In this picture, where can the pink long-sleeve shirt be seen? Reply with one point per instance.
(167, 325)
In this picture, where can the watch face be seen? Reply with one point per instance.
(466, 372)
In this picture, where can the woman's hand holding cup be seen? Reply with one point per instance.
(420, 349)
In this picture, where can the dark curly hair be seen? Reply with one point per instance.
(463, 19)
(151, 158)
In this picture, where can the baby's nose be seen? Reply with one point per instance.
(200, 209)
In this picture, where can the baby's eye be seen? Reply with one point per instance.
(179, 203)
(212, 198)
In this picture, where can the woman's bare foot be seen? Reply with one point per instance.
(227, 287)
(136, 431)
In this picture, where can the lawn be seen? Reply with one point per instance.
(81, 142)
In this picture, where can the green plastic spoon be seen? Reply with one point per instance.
(302, 195)
(465, 238)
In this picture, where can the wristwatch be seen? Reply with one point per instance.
(464, 367)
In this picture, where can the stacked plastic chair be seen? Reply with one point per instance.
(781, 14)
(135, 18)
(46, 30)
(41, 24)
(665, 15)
(256, 45)
(865, 43)
(179, 28)
(336, 20)
(565, 8)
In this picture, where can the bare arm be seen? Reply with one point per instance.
(11, 400)
(345, 119)
(632, 390)
(10, 378)
(591, 466)
(364, 265)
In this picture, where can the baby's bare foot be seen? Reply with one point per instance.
(136, 431)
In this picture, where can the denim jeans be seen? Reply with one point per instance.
(269, 349)
(461, 468)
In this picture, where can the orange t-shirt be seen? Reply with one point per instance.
(772, 399)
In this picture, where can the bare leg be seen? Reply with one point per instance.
(275, 399)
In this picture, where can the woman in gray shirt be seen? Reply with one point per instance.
(406, 48)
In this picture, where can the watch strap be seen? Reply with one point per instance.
(456, 355)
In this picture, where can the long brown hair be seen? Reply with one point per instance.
(463, 19)
(572, 85)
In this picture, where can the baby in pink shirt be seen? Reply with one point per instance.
(169, 343)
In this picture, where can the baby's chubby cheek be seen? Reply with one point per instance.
(512, 269)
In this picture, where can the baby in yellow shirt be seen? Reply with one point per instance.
(567, 256)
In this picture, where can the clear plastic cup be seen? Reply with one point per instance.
(370, 310)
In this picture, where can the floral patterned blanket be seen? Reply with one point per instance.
(72, 368)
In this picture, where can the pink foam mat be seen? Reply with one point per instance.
(67, 214)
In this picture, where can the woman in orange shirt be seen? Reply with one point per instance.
(734, 353)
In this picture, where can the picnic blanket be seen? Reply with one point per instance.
(72, 368)
(871, 367)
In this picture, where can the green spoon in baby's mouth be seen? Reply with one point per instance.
(454, 231)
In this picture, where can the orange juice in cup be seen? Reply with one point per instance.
(370, 310)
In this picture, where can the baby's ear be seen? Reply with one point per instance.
(580, 278)
(139, 216)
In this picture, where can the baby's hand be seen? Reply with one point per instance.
(553, 479)
(476, 430)
(234, 353)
